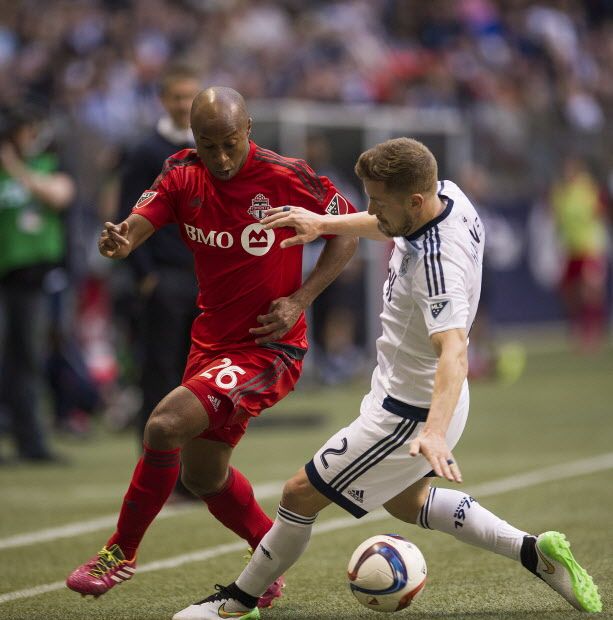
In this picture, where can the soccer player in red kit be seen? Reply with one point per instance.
(249, 340)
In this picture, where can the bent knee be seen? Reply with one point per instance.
(296, 488)
(164, 429)
(407, 506)
(203, 486)
(178, 418)
(300, 496)
(408, 512)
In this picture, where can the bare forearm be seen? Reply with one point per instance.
(55, 190)
(355, 224)
(448, 381)
(334, 257)
(450, 347)
(140, 229)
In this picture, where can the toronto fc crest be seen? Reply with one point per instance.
(259, 205)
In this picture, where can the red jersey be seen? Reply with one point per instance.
(240, 267)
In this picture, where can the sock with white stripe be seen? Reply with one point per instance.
(460, 515)
(281, 547)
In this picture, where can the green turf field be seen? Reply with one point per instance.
(556, 421)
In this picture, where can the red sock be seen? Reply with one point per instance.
(152, 482)
(236, 507)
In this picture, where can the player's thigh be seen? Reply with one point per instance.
(366, 464)
(237, 386)
(407, 504)
(176, 419)
(205, 465)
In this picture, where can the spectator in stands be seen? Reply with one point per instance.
(33, 194)
(487, 358)
(99, 61)
(338, 315)
(579, 213)
(163, 268)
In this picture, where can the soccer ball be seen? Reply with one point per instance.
(387, 573)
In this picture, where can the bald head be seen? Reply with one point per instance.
(219, 104)
(221, 127)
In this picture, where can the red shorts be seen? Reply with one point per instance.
(238, 385)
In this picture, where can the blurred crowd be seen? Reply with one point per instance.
(532, 81)
(525, 74)
(99, 60)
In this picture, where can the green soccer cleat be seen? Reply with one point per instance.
(557, 567)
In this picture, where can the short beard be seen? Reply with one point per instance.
(404, 232)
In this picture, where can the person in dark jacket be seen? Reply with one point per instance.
(164, 267)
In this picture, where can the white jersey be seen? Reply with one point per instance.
(433, 285)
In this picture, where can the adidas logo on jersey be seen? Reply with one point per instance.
(215, 402)
(358, 496)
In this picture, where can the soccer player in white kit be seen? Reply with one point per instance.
(417, 407)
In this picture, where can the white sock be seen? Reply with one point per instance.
(283, 544)
(458, 514)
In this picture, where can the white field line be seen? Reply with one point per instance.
(262, 491)
(487, 489)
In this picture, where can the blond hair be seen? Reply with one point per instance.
(403, 164)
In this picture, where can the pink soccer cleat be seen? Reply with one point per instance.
(274, 591)
(105, 570)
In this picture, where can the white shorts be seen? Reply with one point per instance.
(367, 463)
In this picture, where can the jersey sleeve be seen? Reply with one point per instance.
(315, 193)
(158, 204)
(440, 286)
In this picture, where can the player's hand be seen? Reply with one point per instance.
(113, 241)
(434, 447)
(282, 316)
(308, 225)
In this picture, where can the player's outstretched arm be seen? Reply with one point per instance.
(310, 226)
(118, 240)
(450, 346)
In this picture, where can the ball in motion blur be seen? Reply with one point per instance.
(387, 573)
